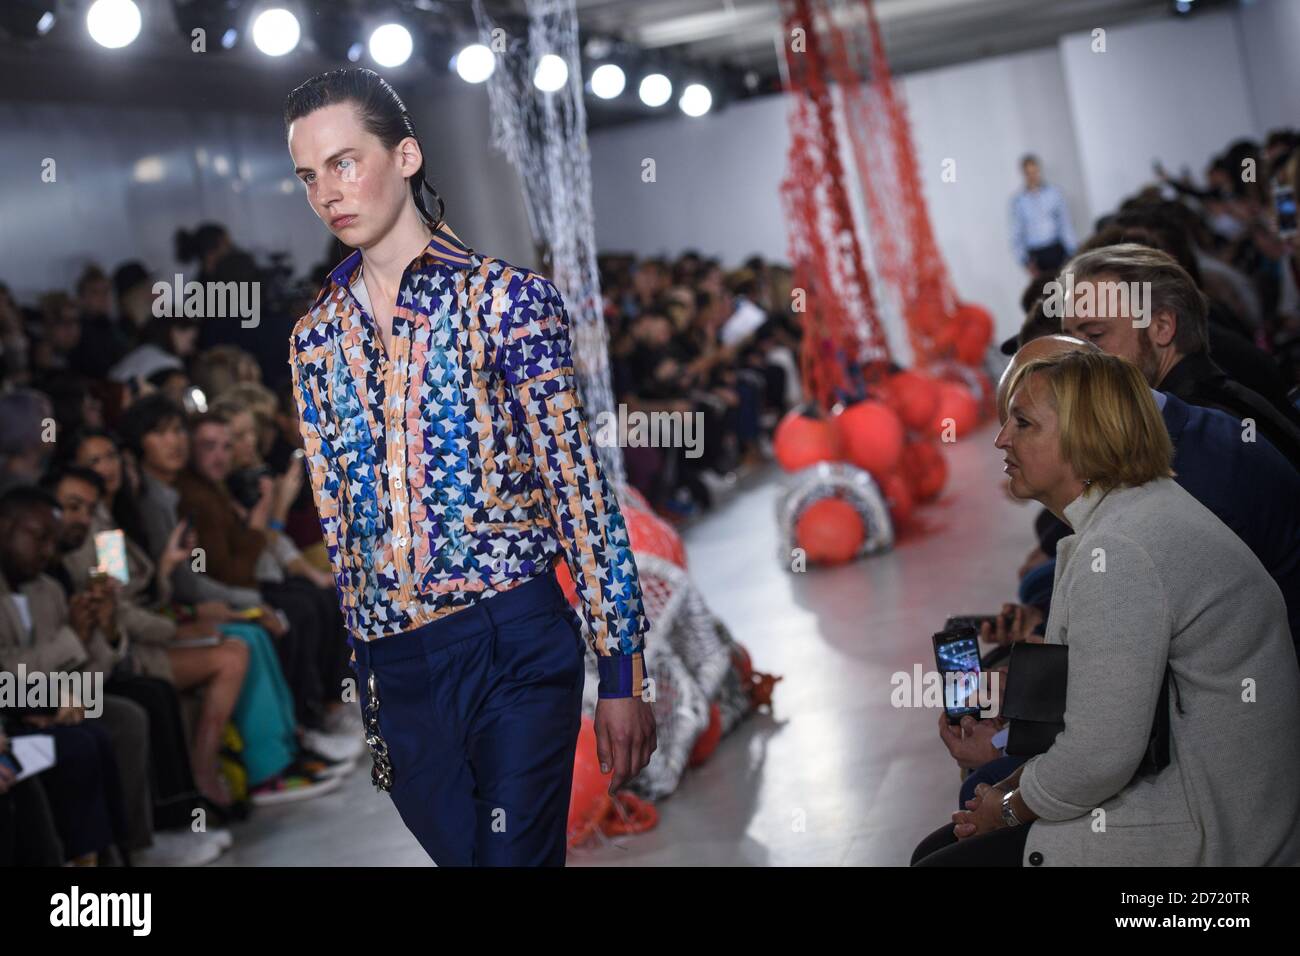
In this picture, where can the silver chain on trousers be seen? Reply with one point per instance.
(381, 774)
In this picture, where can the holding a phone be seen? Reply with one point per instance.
(957, 651)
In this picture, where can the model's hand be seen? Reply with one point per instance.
(625, 737)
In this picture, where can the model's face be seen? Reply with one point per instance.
(212, 451)
(354, 185)
(1033, 175)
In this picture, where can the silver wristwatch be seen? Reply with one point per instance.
(1009, 815)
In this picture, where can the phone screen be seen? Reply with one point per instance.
(958, 652)
(110, 551)
(1284, 201)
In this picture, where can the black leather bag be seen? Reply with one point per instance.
(1034, 698)
(1034, 703)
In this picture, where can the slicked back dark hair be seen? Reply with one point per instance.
(382, 113)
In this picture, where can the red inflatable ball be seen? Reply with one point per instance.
(925, 469)
(873, 436)
(800, 441)
(898, 496)
(973, 330)
(914, 396)
(589, 801)
(926, 315)
(956, 406)
(707, 741)
(830, 531)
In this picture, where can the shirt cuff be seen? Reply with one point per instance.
(621, 675)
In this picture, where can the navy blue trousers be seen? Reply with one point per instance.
(480, 711)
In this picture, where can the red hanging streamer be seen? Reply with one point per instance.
(841, 326)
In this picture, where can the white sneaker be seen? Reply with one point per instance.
(334, 746)
(345, 720)
(720, 487)
(182, 848)
(222, 837)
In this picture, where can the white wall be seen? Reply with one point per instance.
(986, 115)
(716, 188)
(1172, 89)
(1270, 39)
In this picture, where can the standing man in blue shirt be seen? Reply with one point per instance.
(1041, 235)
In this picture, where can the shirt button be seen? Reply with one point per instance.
(1035, 859)
(397, 483)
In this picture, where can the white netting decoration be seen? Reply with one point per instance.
(544, 135)
(688, 655)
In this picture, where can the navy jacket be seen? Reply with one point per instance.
(1250, 486)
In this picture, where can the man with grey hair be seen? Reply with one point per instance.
(1137, 302)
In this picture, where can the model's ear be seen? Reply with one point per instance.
(409, 156)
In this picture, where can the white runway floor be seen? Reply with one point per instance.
(836, 775)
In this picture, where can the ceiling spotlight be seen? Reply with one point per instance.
(113, 23)
(696, 100)
(607, 81)
(475, 63)
(655, 90)
(391, 44)
(551, 74)
(276, 31)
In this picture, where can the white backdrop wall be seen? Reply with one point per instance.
(1270, 40)
(1173, 89)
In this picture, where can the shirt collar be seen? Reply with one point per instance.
(443, 247)
(1081, 509)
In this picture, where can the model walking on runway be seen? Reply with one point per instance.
(451, 461)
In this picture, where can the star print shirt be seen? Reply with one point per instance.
(459, 464)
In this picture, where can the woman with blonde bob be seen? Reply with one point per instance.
(1150, 584)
